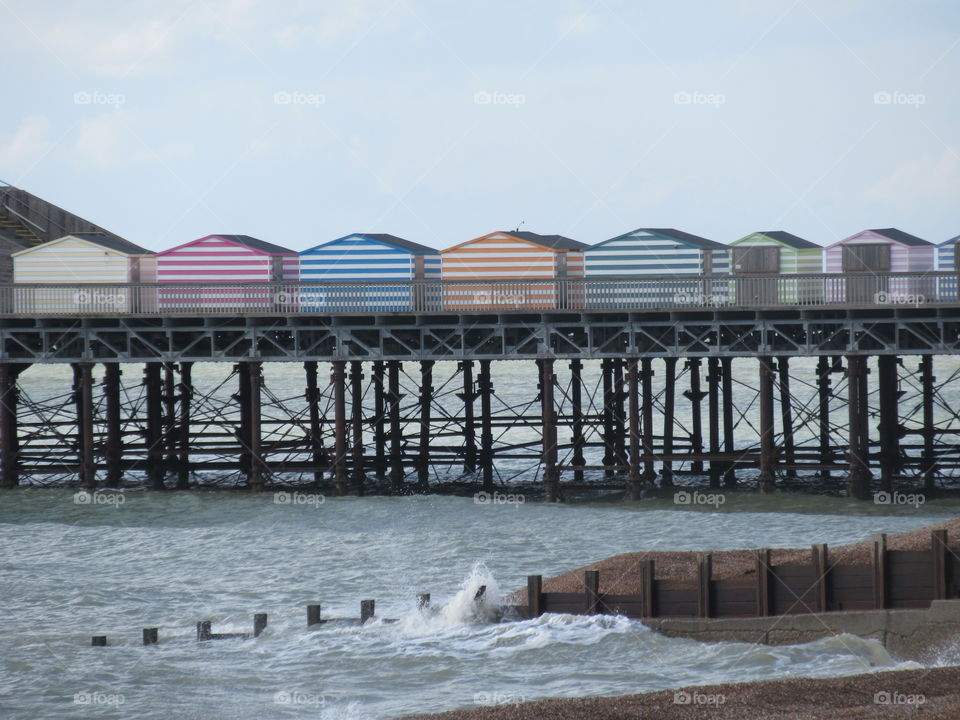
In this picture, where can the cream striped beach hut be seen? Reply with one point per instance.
(513, 270)
(79, 259)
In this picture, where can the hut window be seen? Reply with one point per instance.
(756, 259)
(866, 258)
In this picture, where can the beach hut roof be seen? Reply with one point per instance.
(901, 237)
(109, 242)
(679, 235)
(557, 242)
(386, 239)
(951, 241)
(245, 240)
(789, 239)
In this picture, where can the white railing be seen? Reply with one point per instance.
(620, 293)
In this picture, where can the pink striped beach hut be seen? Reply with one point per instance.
(866, 261)
(230, 259)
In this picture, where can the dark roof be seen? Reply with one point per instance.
(951, 241)
(399, 242)
(558, 242)
(901, 237)
(112, 242)
(789, 239)
(255, 244)
(684, 237)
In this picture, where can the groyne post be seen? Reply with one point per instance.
(591, 584)
(534, 596)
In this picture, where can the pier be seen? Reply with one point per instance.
(648, 372)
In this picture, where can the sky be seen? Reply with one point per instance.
(300, 122)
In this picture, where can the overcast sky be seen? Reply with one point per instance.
(299, 122)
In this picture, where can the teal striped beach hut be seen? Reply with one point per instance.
(655, 267)
(356, 270)
(756, 257)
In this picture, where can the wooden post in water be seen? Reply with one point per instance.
(889, 427)
(423, 601)
(786, 415)
(729, 445)
(204, 630)
(426, 402)
(356, 425)
(150, 636)
(634, 478)
(259, 624)
(695, 395)
(84, 399)
(9, 432)
(185, 394)
(858, 482)
(396, 439)
(928, 463)
(312, 395)
(255, 477)
(713, 414)
(379, 421)
(468, 396)
(113, 451)
(485, 388)
(313, 615)
(576, 419)
(534, 596)
(669, 397)
(368, 608)
(338, 378)
(98, 641)
(768, 449)
(646, 411)
(551, 476)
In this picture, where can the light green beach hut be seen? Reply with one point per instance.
(757, 256)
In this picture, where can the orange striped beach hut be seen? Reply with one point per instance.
(512, 270)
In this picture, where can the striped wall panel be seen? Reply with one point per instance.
(635, 256)
(946, 255)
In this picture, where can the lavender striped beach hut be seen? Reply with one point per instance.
(867, 258)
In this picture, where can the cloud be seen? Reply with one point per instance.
(929, 182)
(26, 146)
(342, 20)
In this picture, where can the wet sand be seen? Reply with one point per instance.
(931, 694)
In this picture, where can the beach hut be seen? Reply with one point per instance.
(756, 258)
(867, 258)
(528, 270)
(948, 260)
(357, 271)
(676, 258)
(232, 259)
(98, 259)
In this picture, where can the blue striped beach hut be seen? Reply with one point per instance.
(356, 270)
(948, 260)
(677, 259)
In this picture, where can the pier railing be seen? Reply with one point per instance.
(577, 294)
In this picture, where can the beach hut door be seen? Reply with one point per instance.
(753, 262)
(867, 266)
